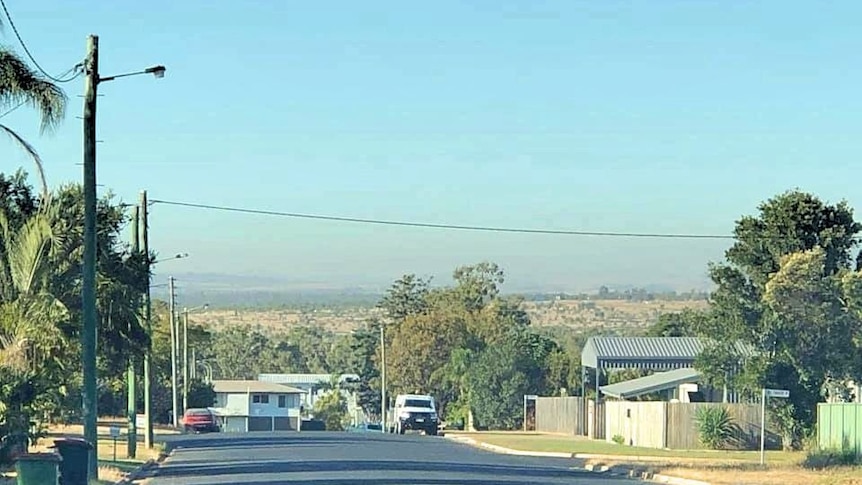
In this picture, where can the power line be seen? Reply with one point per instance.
(358, 220)
(22, 103)
(27, 51)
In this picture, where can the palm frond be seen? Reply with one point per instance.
(28, 254)
(20, 84)
(31, 151)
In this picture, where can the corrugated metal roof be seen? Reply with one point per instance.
(238, 387)
(632, 351)
(303, 378)
(651, 383)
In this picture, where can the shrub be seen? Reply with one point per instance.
(715, 427)
(819, 459)
(618, 439)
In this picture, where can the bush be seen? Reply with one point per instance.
(716, 429)
(618, 439)
(819, 459)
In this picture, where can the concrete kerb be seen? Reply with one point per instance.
(615, 470)
(141, 471)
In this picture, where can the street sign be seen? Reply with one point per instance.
(777, 393)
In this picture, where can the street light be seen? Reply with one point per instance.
(176, 256)
(186, 312)
(88, 277)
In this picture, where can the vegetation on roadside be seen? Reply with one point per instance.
(715, 427)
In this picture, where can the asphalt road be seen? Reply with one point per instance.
(317, 458)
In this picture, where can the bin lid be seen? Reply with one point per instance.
(74, 442)
(38, 457)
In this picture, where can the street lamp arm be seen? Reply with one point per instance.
(157, 71)
(176, 256)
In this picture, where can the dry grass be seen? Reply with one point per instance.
(772, 475)
(593, 314)
(717, 468)
(533, 441)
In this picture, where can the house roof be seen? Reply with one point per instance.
(303, 378)
(663, 353)
(240, 387)
(652, 383)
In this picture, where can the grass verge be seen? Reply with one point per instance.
(715, 467)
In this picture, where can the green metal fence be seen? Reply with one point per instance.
(839, 426)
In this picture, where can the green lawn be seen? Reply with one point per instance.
(574, 444)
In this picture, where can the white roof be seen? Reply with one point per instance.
(241, 387)
(303, 378)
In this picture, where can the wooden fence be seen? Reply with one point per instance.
(673, 425)
(560, 415)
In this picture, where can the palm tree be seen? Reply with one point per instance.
(19, 84)
(30, 340)
(29, 311)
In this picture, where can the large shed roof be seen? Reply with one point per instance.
(658, 353)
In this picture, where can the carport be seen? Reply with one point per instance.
(660, 354)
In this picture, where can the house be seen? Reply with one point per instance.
(316, 386)
(243, 406)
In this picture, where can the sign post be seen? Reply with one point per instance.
(767, 393)
(115, 433)
(531, 397)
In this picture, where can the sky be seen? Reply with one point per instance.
(623, 116)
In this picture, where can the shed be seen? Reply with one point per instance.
(661, 381)
(648, 353)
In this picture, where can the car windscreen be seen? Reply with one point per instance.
(417, 403)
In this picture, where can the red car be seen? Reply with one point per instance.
(198, 420)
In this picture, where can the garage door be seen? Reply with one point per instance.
(258, 423)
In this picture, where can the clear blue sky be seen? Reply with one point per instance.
(675, 116)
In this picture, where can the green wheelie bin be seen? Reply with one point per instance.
(37, 468)
(76, 456)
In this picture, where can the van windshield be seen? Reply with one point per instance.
(417, 403)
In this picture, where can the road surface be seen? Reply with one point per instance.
(318, 458)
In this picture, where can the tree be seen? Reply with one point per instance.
(201, 394)
(406, 297)
(759, 303)
(331, 408)
(498, 382)
(364, 345)
(20, 84)
(678, 324)
(32, 348)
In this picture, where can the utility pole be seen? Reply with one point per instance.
(88, 278)
(193, 371)
(132, 394)
(148, 397)
(174, 337)
(185, 358)
(382, 380)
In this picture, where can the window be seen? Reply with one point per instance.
(282, 401)
(260, 398)
(417, 403)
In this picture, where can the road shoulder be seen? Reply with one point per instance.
(630, 471)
